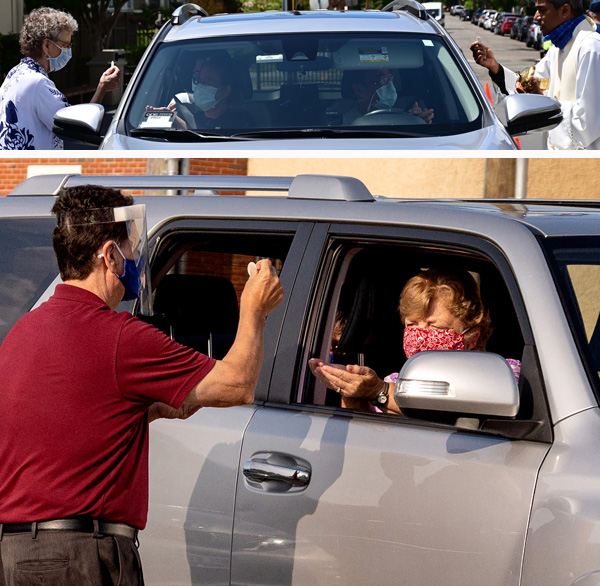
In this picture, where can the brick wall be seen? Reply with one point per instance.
(13, 171)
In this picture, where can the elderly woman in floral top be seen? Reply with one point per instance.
(441, 310)
(28, 98)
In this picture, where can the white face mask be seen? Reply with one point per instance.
(205, 96)
(59, 62)
(387, 95)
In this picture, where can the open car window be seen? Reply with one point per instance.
(358, 321)
(198, 279)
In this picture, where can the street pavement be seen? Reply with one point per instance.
(509, 52)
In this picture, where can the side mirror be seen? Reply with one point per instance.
(82, 122)
(527, 112)
(471, 382)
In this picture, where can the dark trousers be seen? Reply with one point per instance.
(68, 558)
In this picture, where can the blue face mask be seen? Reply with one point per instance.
(130, 279)
(205, 96)
(59, 62)
(387, 95)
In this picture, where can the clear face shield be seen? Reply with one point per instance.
(136, 250)
(136, 274)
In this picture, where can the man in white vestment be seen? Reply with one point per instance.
(572, 64)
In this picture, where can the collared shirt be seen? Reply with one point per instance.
(28, 102)
(78, 380)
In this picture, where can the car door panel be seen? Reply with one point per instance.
(194, 463)
(193, 475)
(387, 503)
(389, 500)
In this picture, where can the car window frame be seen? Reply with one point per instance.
(300, 233)
(570, 303)
(291, 369)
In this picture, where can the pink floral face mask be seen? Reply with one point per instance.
(420, 339)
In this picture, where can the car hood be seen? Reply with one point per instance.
(488, 138)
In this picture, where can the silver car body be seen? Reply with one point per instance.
(376, 499)
(477, 128)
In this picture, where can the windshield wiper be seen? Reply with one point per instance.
(328, 132)
(184, 135)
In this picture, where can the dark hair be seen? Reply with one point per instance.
(229, 72)
(576, 5)
(81, 229)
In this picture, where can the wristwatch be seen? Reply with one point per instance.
(382, 398)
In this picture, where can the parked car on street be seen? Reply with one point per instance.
(534, 37)
(490, 20)
(291, 80)
(523, 31)
(497, 477)
(504, 23)
(466, 14)
(456, 9)
(476, 16)
(515, 27)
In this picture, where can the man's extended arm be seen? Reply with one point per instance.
(233, 379)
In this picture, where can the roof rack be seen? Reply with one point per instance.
(183, 13)
(412, 6)
(316, 187)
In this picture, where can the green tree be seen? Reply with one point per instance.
(96, 19)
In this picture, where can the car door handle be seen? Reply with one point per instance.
(261, 471)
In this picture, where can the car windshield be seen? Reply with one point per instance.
(283, 85)
(577, 271)
(27, 266)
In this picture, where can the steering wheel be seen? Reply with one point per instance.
(186, 112)
(386, 117)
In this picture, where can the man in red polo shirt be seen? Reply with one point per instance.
(80, 383)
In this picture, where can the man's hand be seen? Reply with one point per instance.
(233, 379)
(163, 411)
(532, 88)
(483, 56)
(427, 115)
(263, 291)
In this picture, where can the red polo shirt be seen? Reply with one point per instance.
(76, 381)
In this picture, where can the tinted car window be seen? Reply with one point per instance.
(27, 266)
(578, 274)
(297, 81)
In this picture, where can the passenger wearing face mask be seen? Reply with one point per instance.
(374, 89)
(28, 97)
(211, 104)
(440, 310)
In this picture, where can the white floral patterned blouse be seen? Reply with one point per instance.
(28, 102)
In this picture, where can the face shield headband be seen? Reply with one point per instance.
(134, 249)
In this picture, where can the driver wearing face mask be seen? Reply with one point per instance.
(374, 89)
(211, 103)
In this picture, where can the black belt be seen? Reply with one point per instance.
(81, 525)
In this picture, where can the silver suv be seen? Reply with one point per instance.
(389, 79)
(295, 489)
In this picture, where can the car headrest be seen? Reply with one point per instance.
(197, 303)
